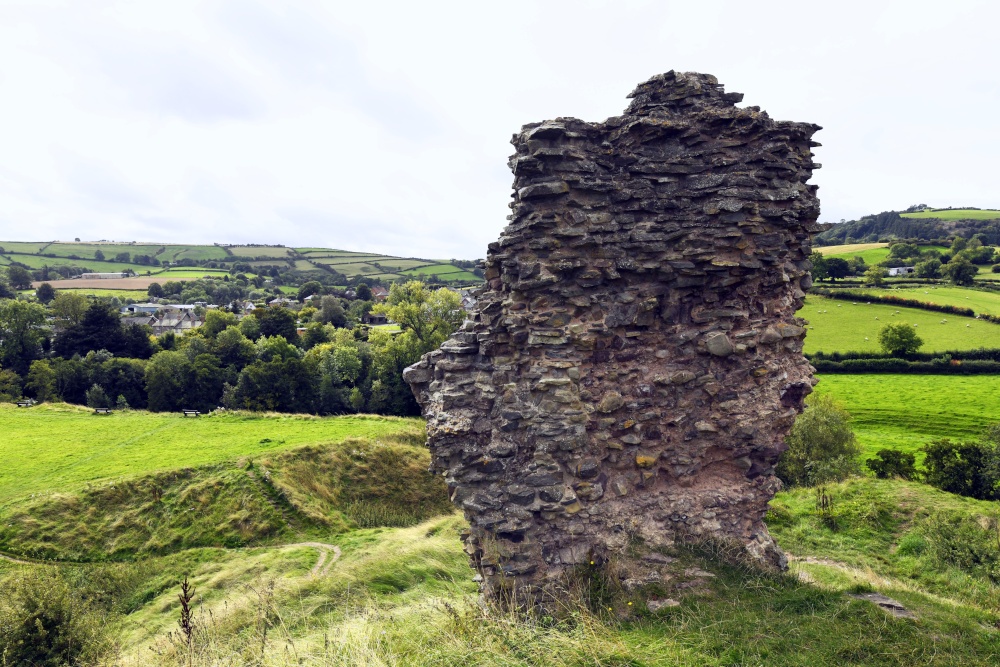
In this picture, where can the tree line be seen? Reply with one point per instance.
(260, 362)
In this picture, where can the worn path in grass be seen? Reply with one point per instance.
(845, 326)
(62, 447)
(908, 411)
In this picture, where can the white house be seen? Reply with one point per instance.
(901, 271)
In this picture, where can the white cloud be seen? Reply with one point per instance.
(385, 126)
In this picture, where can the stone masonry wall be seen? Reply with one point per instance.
(634, 361)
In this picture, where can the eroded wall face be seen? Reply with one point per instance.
(634, 361)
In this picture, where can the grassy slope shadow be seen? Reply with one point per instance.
(309, 491)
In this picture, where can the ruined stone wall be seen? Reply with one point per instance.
(634, 361)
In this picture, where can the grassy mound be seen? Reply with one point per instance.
(61, 447)
(305, 492)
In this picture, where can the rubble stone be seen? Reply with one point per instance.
(634, 360)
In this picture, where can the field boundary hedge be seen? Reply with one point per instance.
(941, 366)
(982, 354)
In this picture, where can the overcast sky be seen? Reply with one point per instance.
(385, 126)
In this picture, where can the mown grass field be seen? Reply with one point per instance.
(872, 253)
(979, 301)
(38, 262)
(908, 411)
(955, 214)
(845, 326)
(61, 447)
(136, 294)
(850, 248)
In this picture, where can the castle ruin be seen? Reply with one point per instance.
(634, 361)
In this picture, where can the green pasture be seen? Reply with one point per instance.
(845, 326)
(22, 246)
(196, 252)
(61, 447)
(979, 301)
(872, 253)
(955, 214)
(263, 251)
(38, 261)
(908, 411)
(87, 250)
(304, 265)
(4, 261)
(135, 294)
(339, 260)
(192, 272)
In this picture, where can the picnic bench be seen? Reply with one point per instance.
(25, 404)
(102, 411)
(191, 413)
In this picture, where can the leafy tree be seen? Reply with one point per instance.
(363, 292)
(959, 244)
(875, 276)
(234, 349)
(308, 289)
(857, 266)
(19, 277)
(899, 338)
(155, 291)
(168, 375)
(120, 377)
(904, 250)
(97, 397)
(819, 267)
(331, 311)
(45, 293)
(217, 321)
(10, 386)
(20, 334)
(968, 468)
(929, 268)
(316, 334)
(430, 316)
(837, 268)
(821, 445)
(5, 289)
(69, 307)
(123, 257)
(250, 327)
(99, 329)
(277, 322)
(41, 381)
(277, 385)
(960, 271)
(99, 256)
(892, 463)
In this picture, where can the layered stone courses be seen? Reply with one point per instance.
(634, 361)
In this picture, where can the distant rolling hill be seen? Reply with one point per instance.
(167, 260)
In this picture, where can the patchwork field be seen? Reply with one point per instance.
(850, 248)
(979, 301)
(844, 326)
(955, 214)
(260, 251)
(872, 253)
(61, 447)
(908, 411)
(38, 262)
(135, 283)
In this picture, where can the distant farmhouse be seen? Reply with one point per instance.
(901, 271)
(172, 318)
(105, 276)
